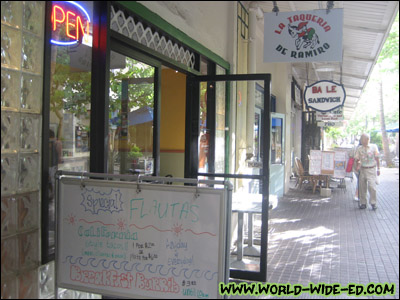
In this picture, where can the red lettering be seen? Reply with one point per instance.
(158, 284)
(54, 16)
(102, 278)
(98, 279)
(70, 24)
(76, 26)
(80, 27)
(316, 89)
(281, 26)
(332, 90)
(75, 273)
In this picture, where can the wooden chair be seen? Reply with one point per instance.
(303, 177)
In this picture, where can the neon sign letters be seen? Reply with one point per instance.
(70, 23)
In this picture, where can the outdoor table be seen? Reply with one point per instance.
(251, 204)
(318, 178)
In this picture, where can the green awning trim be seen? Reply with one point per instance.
(182, 37)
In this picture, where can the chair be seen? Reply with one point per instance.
(304, 177)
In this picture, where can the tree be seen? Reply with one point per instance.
(380, 105)
(71, 88)
(335, 134)
(389, 56)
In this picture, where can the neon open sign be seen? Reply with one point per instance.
(70, 23)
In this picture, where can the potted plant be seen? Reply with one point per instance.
(135, 154)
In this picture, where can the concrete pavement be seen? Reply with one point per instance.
(330, 240)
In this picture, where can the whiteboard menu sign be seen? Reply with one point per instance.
(315, 162)
(159, 241)
(340, 164)
(327, 163)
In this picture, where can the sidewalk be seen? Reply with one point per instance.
(330, 240)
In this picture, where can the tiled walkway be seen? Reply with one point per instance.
(330, 240)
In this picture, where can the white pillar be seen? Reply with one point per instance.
(251, 86)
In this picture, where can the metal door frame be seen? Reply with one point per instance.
(192, 161)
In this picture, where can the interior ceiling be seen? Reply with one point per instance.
(366, 25)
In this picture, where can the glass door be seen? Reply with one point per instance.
(132, 106)
(248, 172)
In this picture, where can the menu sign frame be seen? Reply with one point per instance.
(132, 239)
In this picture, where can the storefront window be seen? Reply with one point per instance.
(204, 134)
(220, 127)
(276, 141)
(131, 116)
(258, 112)
(70, 92)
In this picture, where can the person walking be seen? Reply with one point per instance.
(367, 159)
(355, 171)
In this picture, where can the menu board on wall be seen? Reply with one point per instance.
(157, 241)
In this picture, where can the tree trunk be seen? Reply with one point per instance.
(385, 140)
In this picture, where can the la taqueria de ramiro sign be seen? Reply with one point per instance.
(303, 36)
(324, 96)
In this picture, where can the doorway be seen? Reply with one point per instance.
(251, 187)
(172, 123)
(131, 122)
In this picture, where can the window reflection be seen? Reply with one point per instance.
(131, 116)
(220, 126)
(276, 141)
(70, 103)
(204, 135)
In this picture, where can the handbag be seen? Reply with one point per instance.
(350, 164)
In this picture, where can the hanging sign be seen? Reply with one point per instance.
(332, 116)
(70, 23)
(303, 36)
(324, 96)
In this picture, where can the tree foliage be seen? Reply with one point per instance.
(140, 95)
(366, 117)
(71, 88)
(390, 50)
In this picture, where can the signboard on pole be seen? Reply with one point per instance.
(324, 96)
(303, 36)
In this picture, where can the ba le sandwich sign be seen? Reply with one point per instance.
(324, 96)
(303, 36)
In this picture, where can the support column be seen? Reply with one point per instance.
(251, 86)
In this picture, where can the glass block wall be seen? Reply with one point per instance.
(22, 42)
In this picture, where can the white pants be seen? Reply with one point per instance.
(367, 180)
